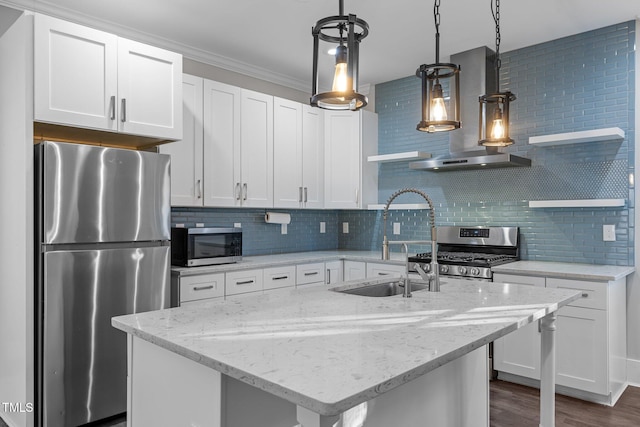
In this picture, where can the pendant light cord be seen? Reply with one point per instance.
(436, 18)
(496, 19)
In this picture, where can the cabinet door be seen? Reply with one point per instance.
(256, 152)
(582, 348)
(149, 90)
(186, 154)
(221, 144)
(354, 270)
(75, 74)
(313, 157)
(342, 159)
(333, 273)
(287, 154)
(519, 352)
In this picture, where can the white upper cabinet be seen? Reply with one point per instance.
(256, 151)
(186, 154)
(298, 155)
(91, 79)
(350, 137)
(221, 145)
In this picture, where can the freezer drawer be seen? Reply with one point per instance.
(84, 366)
(95, 194)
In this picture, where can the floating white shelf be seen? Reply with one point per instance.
(607, 134)
(577, 203)
(399, 157)
(396, 206)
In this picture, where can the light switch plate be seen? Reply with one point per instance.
(283, 228)
(323, 227)
(237, 224)
(609, 233)
(345, 227)
(396, 228)
(200, 224)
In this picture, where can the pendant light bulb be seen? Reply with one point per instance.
(438, 108)
(341, 77)
(497, 127)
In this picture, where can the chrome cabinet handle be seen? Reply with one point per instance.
(123, 110)
(244, 188)
(246, 282)
(357, 195)
(313, 273)
(237, 191)
(305, 194)
(328, 276)
(300, 194)
(202, 288)
(280, 278)
(380, 273)
(112, 108)
(585, 295)
(199, 188)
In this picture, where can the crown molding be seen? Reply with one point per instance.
(189, 52)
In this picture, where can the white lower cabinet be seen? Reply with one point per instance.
(244, 281)
(308, 274)
(354, 270)
(333, 272)
(205, 286)
(375, 269)
(279, 277)
(590, 337)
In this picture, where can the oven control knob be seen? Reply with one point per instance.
(462, 270)
(444, 269)
(475, 271)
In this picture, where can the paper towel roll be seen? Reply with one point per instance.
(277, 218)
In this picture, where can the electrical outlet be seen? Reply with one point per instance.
(323, 227)
(237, 224)
(200, 224)
(345, 228)
(180, 225)
(396, 228)
(283, 228)
(609, 233)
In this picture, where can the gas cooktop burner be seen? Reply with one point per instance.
(465, 258)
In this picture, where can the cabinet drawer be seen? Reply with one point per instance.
(380, 269)
(193, 288)
(594, 294)
(239, 282)
(309, 273)
(279, 277)
(519, 280)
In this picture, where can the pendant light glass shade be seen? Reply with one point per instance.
(440, 90)
(494, 108)
(341, 30)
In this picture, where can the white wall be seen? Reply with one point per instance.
(16, 219)
(633, 284)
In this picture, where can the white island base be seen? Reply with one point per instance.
(166, 389)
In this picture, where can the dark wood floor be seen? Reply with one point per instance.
(513, 405)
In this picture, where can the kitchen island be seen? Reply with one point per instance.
(318, 357)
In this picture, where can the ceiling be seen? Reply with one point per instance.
(271, 39)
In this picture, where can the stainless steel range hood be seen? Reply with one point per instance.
(477, 77)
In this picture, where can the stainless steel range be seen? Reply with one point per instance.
(470, 252)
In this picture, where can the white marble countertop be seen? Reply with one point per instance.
(263, 261)
(565, 270)
(329, 351)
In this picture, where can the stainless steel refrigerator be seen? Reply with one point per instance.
(103, 230)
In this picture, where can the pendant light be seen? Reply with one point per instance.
(439, 111)
(339, 30)
(494, 108)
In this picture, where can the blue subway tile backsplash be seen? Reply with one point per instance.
(577, 83)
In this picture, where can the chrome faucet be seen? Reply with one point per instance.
(432, 277)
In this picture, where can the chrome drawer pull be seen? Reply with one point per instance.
(246, 282)
(280, 278)
(311, 274)
(585, 295)
(202, 288)
(382, 274)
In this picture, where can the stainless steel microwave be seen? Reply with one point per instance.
(192, 247)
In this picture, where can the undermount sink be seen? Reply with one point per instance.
(385, 289)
